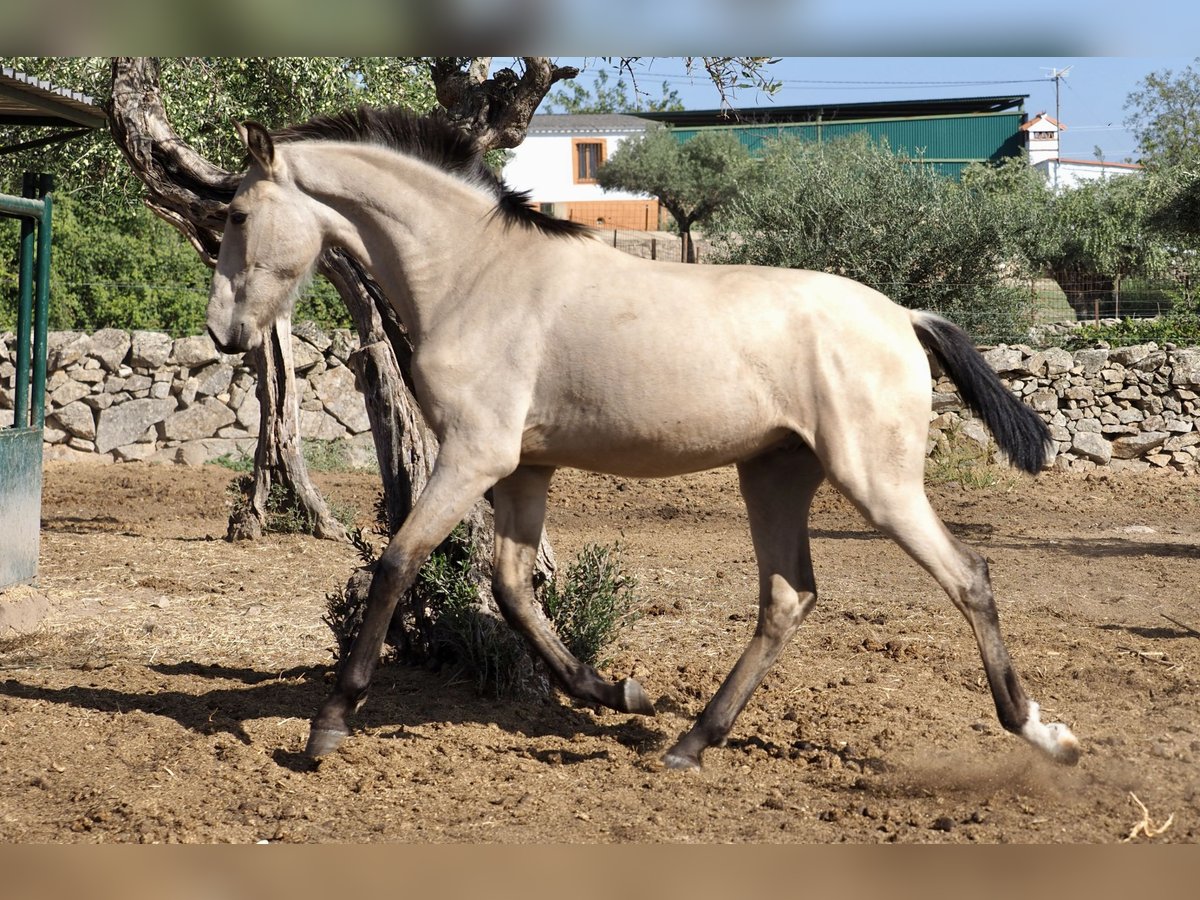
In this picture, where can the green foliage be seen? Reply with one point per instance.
(854, 208)
(959, 460)
(594, 601)
(117, 265)
(235, 462)
(1164, 114)
(325, 456)
(204, 96)
(576, 98)
(284, 514)
(1180, 326)
(482, 647)
(692, 180)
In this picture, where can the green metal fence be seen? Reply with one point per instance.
(21, 443)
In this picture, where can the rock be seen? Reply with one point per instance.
(88, 376)
(304, 355)
(149, 349)
(360, 452)
(1003, 359)
(1135, 445)
(1058, 361)
(1092, 446)
(342, 344)
(76, 418)
(124, 423)
(1182, 441)
(336, 391)
(135, 452)
(1043, 401)
(197, 421)
(110, 347)
(1091, 361)
(22, 610)
(974, 430)
(64, 348)
(214, 379)
(193, 352)
(1127, 356)
(192, 453)
(310, 332)
(320, 425)
(63, 453)
(69, 393)
(248, 413)
(1185, 367)
(943, 402)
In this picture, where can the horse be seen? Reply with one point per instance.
(537, 347)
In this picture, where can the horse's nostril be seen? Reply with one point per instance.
(217, 341)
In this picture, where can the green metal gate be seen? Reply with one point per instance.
(21, 444)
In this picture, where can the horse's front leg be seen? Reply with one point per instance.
(520, 501)
(453, 488)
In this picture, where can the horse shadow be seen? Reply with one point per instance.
(402, 698)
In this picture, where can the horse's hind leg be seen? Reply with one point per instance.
(891, 495)
(778, 488)
(520, 503)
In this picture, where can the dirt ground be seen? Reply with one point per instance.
(167, 698)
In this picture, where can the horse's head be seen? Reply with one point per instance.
(272, 239)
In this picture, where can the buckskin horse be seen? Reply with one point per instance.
(536, 347)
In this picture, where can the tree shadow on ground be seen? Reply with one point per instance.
(402, 697)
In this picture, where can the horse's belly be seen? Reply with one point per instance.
(649, 453)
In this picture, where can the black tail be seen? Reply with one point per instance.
(1018, 430)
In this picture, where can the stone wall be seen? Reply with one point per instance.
(116, 395)
(1127, 408)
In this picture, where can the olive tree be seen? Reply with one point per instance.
(692, 179)
(854, 208)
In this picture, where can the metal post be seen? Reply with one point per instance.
(654, 248)
(24, 310)
(42, 307)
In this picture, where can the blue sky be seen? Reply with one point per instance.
(1092, 96)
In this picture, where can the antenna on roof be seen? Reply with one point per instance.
(1058, 75)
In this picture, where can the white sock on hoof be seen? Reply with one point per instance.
(1054, 739)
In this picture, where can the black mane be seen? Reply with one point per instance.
(433, 139)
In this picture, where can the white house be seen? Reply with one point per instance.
(1042, 133)
(557, 164)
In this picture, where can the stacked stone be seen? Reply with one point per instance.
(123, 396)
(1131, 408)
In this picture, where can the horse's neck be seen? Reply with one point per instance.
(418, 232)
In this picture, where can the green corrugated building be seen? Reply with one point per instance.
(949, 134)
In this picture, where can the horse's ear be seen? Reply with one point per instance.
(258, 141)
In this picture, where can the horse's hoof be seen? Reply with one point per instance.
(1054, 739)
(681, 761)
(323, 740)
(634, 699)
(1065, 748)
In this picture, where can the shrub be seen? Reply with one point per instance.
(284, 514)
(594, 601)
(854, 208)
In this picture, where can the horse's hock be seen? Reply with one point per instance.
(119, 396)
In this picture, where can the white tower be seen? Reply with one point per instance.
(1041, 138)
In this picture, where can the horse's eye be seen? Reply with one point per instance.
(237, 218)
